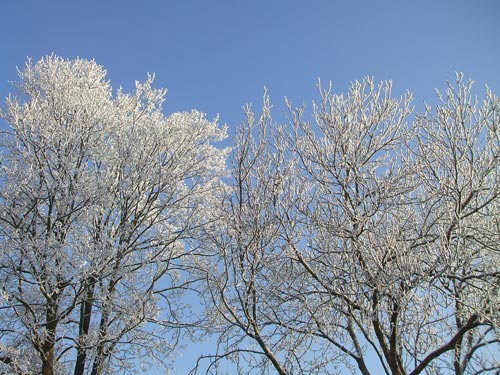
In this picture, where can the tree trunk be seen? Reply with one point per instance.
(47, 347)
(85, 317)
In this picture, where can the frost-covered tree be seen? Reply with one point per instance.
(248, 268)
(100, 194)
(362, 241)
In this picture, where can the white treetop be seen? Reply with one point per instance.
(379, 251)
(99, 194)
(364, 239)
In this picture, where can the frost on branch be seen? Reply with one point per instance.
(379, 251)
(100, 193)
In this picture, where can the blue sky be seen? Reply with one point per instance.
(217, 55)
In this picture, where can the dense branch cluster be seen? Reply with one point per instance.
(363, 238)
(99, 196)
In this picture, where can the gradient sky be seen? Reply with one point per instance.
(216, 56)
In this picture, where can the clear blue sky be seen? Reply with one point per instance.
(217, 55)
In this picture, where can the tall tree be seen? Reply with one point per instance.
(244, 276)
(100, 194)
(379, 251)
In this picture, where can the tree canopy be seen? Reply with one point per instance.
(355, 237)
(100, 194)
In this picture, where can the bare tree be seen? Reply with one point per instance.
(99, 195)
(380, 252)
(248, 256)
